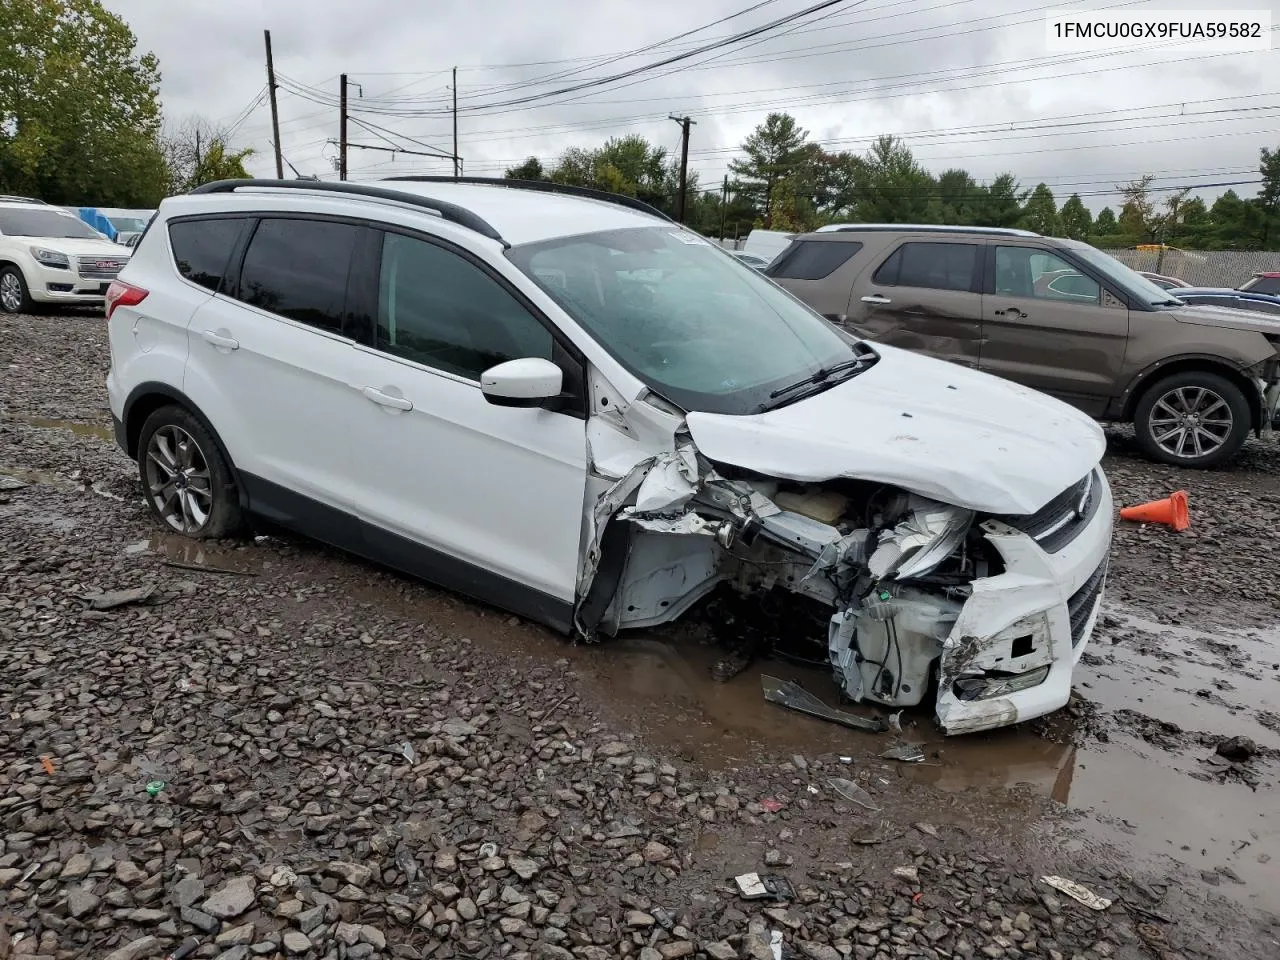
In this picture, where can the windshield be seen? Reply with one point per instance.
(128, 224)
(44, 224)
(1130, 281)
(703, 330)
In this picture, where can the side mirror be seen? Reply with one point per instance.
(527, 382)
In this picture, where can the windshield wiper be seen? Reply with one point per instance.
(822, 376)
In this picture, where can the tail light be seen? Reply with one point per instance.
(121, 294)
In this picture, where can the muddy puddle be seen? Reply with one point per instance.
(1148, 794)
(187, 554)
(96, 430)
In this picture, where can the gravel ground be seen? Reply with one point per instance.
(282, 751)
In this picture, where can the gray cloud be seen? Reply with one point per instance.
(968, 82)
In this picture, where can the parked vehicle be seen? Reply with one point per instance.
(1263, 283)
(1056, 315)
(48, 255)
(766, 244)
(128, 224)
(563, 403)
(1226, 297)
(1165, 283)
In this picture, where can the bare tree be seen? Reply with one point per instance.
(198, 152)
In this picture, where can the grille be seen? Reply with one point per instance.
(1080, 606)
(100, 268)
(1063, 518)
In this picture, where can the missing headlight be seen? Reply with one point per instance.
(997, 683)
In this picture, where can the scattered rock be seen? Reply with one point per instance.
(1238, 749)
(232, 899)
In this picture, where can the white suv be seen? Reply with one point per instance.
(565, 404)
(48, 255)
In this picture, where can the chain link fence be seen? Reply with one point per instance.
(1201, 268)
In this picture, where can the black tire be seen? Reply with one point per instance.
(202, 507)
(8, 276)
(1208, 396)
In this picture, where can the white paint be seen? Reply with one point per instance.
(956, 435)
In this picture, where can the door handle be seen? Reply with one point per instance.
(1012, 312)
(386, 400)
(220, 340)
(876, 298)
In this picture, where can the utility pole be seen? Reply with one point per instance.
(724, 204)
(457, 167)
(342, 127)
(275, 113)
(685, 124)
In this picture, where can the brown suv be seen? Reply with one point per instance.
(1056, 315)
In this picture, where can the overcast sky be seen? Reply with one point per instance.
(967, 83)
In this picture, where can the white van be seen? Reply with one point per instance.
(767, 244)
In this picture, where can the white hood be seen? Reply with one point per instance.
(928, 426)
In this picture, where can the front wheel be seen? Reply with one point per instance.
(189, 485)
(14, 295)
(1192, 419)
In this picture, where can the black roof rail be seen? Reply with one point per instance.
(14, 199)
(546, 186)
(446, 211)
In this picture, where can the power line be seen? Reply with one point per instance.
(626, 55)
(644, 68)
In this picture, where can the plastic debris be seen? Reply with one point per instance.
(906, 752)
(155, 786)
(406, 751)
(852, 792)
(488, 850)
(1077, 892)
(752, 886)
(791, 695)
(895, 721)
(48, 766)
(771, 805)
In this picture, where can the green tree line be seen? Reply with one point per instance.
(80, 117)
(782, 180)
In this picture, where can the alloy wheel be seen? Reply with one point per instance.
(1190, 422)
(11, 292)
(177, 476)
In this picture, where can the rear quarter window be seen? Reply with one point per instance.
(814, 259)
(202, 248)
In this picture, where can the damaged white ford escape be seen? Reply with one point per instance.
(564, 404)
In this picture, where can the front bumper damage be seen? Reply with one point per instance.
(989, 614)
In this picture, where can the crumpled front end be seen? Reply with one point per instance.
(987, 614)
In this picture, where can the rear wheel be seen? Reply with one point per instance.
(189, 485)
(14, 295)
(1193, 419)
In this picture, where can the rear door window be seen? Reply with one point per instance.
(298, 269)
(814, 259)
(931, 266)
(202, 248)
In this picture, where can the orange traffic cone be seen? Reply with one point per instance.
(1171, 511)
